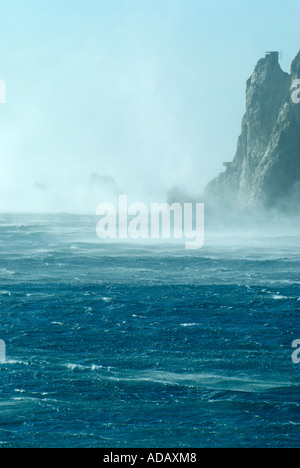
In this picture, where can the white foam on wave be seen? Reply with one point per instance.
(202, 380)
(12, 361)
(74, 366)
(195, 380)
(5, 293)
(6, 272)
(106, 299)
(185, 325)
(91, 367)
(279, 297)
(25, 399)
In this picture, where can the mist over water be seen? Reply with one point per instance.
(140, 343)
(138, 93)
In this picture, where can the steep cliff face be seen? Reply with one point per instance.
(266, 168)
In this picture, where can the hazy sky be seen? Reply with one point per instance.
(150, 92)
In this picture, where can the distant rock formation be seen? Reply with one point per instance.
(103, 188)
(265, 171)
(178, 194)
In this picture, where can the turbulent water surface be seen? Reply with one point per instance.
(116, 345)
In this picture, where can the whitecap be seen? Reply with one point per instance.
(74, 366)
(92, 367)
(7, 272)
(203, 380)
(5, 293)
(189, 325)
(12, 361)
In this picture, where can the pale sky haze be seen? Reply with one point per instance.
(150, 92)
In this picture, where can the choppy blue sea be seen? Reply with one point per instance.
(122, 345)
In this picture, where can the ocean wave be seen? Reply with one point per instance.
(6, 272)
(5, 293)
(280, 297)
(13, 362)
(209, 381)
(91, 367)
(185, 325)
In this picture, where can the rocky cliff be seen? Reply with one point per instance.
(265, 171)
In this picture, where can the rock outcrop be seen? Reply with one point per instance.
(265, 171)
